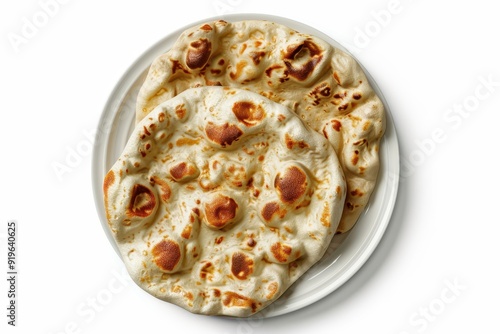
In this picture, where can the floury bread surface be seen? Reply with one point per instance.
(321, 84)
(221, 199)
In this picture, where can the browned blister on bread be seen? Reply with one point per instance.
(320, 83)
(221, 207)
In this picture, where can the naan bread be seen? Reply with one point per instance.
(222, 199)
(320, 83)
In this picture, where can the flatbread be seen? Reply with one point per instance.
(222, 199)
(323, 85)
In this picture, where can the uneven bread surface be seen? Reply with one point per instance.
(221, 199)
(323, 85)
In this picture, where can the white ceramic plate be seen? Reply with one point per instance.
(347, 253)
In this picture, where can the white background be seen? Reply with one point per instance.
(429, 58)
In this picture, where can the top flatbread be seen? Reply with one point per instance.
(323, 85)
(221, 199)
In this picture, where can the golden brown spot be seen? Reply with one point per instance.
(281, 117)
(189, 295)
(325, 216)
(312, 236)
(224, 134)
(343, 107)
(251, 242)
(292, 185)
(187, 141)
(349, 206)
(271, 209)
(243, 48)
(294, 51)
(161, 117)
(356, 96)
(186, 232)
(218, 240)
(336, 77)
(221, 62)
(336, 125)
(271, 68)
(239, 70)
(206, 27)
(166, 254)
(241, 266)
(248, 113)
(247, 151)
(325, 133)
(323, 89)
(257, 57)
(290, 143)
(232, 299)
(207, 271)
(355, 157)
(180, 111)
(211, 83)
(272, 288)
(199, 53)
(354, 119)
(142, 201)
(326, 91)
(176, 66)
(338, 190)
(250, 182)
(356, 192)
(293, 265)
(182, 171)
(281, 252)
(307, 50)
(109, 179)
(217, 293)
(165, 191)
(261, 158)
(221, 211)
